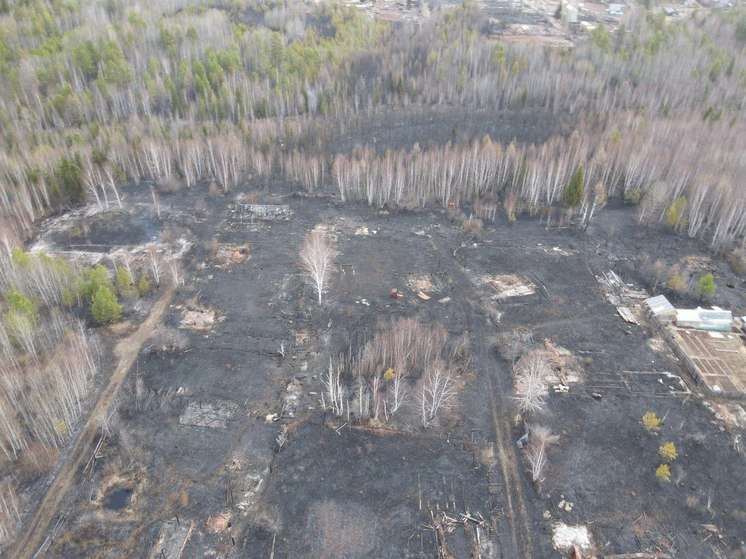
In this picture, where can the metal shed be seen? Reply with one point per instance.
(661, 308)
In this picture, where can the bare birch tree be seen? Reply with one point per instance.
(437, 392)
(175, 272)
(317, 257)
(540, 438)
(334, 390)
(154, 259)
(531, 372)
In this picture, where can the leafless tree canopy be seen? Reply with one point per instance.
(540, 438)
(405, 365)
(317, 259)
(531, 372)
(514, 343)
(437, 392)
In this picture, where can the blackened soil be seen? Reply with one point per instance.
(383, 489)
(433, 127)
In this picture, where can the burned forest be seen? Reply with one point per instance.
(353, 279)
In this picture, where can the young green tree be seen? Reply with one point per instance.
(706, 285)
(94, 278)
(21, 329)
(20, 303)
(124, 283)
(20, 257)
(632, 196)
(144, 285)
(104, 306)
(573, 193)
(116, 68)
(20, 320)
(68, 179)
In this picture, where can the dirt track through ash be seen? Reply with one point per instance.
(31, 543)
(519, 543)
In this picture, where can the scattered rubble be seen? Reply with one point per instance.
(566, 536)
(363, 231)
(422, 283)
(229, 255)
(198, 319)
(627, 315)
(213, 414)
(618, 293)
(291, 399)
(509, 285)
(565, 367)
(565, 505)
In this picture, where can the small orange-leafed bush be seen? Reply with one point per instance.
(668, 451)
(651, 422)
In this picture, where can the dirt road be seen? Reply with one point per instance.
(518, 543)
(32, 542)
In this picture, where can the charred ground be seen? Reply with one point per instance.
(195, 442)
